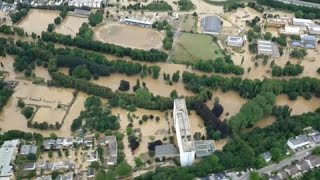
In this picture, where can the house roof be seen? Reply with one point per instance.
(211, 24)
(303, 165)
(44, 178)
(266, 155)
(30, 165)
(292, 170)
(165, 150)
(90, 172)
(299, 139)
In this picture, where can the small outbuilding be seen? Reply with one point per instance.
(211, 25)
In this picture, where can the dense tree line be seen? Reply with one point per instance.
(219, 65)
(288, 70)
(185, 5)
(96, 117)
(152, 55)
(233, 6)
(85, 32)
(254, 110)
(301, 11)
(5, 94)
(153, 6)
(164, 25)
(250, 88)
(17, 134)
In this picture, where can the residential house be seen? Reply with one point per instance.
(293, 171)
(28, 149)
(29, 166)
(92, 156)
(88, 141)
(314, 161)
(68, 176)
(298, 141)
(266, 156)
(49, 177)
(307, 41)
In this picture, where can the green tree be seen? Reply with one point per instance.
(95, 18)
(124, 169)
(57, 20)
(81, 72)
(27, 111)
(50, 27)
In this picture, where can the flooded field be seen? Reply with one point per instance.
(42, 115)
(300, 105)
(231, 102)
(129, 36)
(71, 25)
(37, 20)
(157, 87)
(152, 130)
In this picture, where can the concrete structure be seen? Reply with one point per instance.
(183, 132)
(29, 166)
(211, 25)
(28, 149)
(166, 150)
(68, 176)
(90, 173)
(266, 156)
(298, 141)
(112, 150)
(291, 30)
(277, 22)
(302, 22)
(88, 3)
(82, 12)
(307, 41)
(143, 21)
(49, 177)
(267, 48)
(217, 176)
(204, 148)
(314, 29)
(8, 152)
(235, 41)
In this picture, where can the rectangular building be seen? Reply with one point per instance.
(302, 22)
(235, 41)
(143, 21)
(267, 48)
(314, 29)
(291, 30)
(298, 141)
(183, 133)
(8, 152)
(88, 3)
(277, 22)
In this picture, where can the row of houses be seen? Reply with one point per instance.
(67, 165)
(297, 169)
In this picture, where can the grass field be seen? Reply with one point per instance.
(188, 23)
(192, 47)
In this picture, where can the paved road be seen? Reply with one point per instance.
(300, 3)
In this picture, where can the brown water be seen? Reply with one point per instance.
(300, 105)
(37, 20)
(129, 36)
(231, 102)
(71, 25)
(157, 87)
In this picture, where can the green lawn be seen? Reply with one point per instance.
(192, 47)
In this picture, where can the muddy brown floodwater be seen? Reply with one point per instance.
(37, 20)
(300, 105)
(70, 25)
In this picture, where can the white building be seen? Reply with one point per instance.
(183, 133)
(88, 3)
(291, 30)
(235, 41)
(8, 152)
(314, 29)
(298, 141)
(302, 22)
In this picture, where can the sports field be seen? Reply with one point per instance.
(191, 47)
(129, 36)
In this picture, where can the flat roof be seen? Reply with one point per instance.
(299, 139)
(267, 48)
(204, 147)
(7, 151)
(166, 150)
(211, 24)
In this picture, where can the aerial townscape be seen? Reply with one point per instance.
(160, 89)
